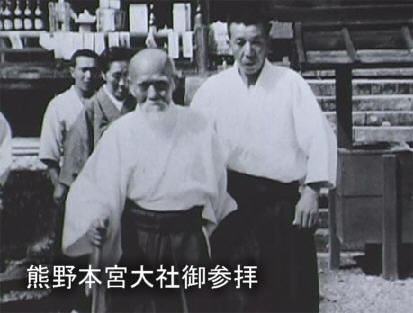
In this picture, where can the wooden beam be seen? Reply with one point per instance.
(318, 3)
(348, 13)
(368, 58)
(362, 39)
(344, 106)
(351, 51)
(390, 219)
(357, 25)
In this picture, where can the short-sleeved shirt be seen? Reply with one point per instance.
(5, 149)
(273, 129)
(60, 115)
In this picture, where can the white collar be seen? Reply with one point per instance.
(118, 104)
(262, 77)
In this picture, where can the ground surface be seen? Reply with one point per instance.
(350, 290)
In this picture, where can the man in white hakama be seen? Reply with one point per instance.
(165, 165)
(278, 138)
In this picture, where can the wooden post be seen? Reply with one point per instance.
(201, 40)
(390, 219)
(344, 106)
(333, 242)
(344, 111)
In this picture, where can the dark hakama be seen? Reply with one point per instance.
(152, 239)
(261, 233)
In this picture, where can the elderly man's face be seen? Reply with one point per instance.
(153, 89)
(116, 79)
(249, 47)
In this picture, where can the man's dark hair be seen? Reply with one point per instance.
(112, 54)
(82, 53)
(249, 13)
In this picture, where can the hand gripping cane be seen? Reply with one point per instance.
(98, 291)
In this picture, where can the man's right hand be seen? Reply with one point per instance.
(98, 232)
(59, 194)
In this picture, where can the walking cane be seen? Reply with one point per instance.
(98, 291)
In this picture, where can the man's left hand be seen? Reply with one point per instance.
(60, 193)
(306, 210)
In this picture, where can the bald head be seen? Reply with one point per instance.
(151, 61)
(151, 78)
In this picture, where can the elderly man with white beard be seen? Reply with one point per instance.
(158, 175)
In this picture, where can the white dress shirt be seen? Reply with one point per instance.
(60, 115)
(160, 161)
(273, 129)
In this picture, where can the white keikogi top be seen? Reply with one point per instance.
(168, 161)
(5, 149)
(274, 129)
(60, 115)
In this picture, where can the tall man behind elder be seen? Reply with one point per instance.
(278, 139)
(157, 175)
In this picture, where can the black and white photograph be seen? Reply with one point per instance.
(206, 156)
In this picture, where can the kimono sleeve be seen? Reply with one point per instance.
(98, 193)
(315, 136)
(201, 100)
(221, 202)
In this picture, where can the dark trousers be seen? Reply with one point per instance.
(260, 233)
(152, 239)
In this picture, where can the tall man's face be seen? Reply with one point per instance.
(116, 79)
(249, 47)
(85, 73)
(152, 87)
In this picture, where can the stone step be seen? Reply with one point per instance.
(26, 145)
(405, 72)
(372, 103)
(383, 134)
(28, 301)
(326, 87)
(377, 118)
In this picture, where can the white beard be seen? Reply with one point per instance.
(161, 121)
